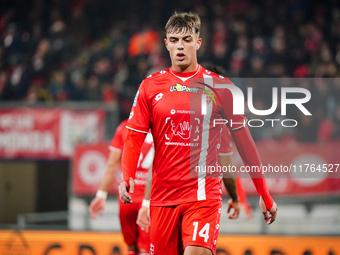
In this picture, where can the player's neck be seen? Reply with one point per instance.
(185, 74)
(190, 68)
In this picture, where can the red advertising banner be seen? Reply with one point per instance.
(47, 133)
(88, 168)
(89, 164)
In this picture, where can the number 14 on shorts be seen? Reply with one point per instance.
(204, 232)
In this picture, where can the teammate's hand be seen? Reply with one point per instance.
(143, 218)
(249, 211)
(236, 207)
(97, 206)
(272, 212)
(123, 191)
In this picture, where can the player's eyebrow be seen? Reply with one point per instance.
(175, 37)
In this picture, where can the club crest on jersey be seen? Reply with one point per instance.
(209, 97)
(181, 88)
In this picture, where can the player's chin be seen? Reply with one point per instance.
(182, 63)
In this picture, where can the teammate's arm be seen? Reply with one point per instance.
(148, 185)
(230, 184)
(249, 154)
(243, 199)
(132, 148)
(143, 218)
(98, 203)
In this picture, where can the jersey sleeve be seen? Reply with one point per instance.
(234, 121)
(226, 144)
(117, 142)
(247, 149)
(131, 152)
(140, 115)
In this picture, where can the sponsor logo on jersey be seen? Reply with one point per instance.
(173, 111)
(183, 130)
(181, 88)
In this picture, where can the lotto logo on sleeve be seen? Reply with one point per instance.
(159, 96)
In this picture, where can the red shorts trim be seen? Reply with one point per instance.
(173, 228)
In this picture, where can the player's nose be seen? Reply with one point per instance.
(180, 45)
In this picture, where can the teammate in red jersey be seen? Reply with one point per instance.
(225, 153)
(136, 239)
(185, 202)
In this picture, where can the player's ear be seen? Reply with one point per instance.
(198, 43)
(166, 43)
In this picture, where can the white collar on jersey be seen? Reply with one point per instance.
(185, 78)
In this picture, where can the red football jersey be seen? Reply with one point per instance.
(186, 140)
(226, 143)
(145, 158)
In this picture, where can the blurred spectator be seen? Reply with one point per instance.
(60, 88)
(37, 92)
(19, 79)
(93, 90)
(42, 59)
(3, 85)
(144, 42)
(13, 45)
(101, 50)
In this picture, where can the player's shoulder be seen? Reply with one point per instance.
(207, 72)
(211, 73)
(122, 125)
(157, 76)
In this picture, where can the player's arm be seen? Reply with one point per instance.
(98, 203)
(250, 156)
(132, 148)
(230, 184)
(143, 218)
(138, 126)
(148, 185)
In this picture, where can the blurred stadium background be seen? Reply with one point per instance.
(69, 71)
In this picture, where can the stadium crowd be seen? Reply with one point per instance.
(100, 50)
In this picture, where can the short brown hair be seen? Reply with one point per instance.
(183, 22)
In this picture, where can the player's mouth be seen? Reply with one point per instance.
(180, 56)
